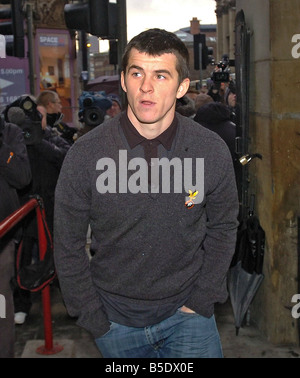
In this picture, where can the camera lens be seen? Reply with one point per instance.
(93, 116)
(27, 105)
(88, 101)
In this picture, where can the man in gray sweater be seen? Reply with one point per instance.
(158, 191)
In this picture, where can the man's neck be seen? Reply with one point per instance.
(150, 130)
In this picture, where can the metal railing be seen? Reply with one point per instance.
(6, 225)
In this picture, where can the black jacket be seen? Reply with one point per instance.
(67, 132)
(15, 170)
(46, 159)
(216, 117)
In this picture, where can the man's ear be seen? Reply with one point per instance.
(123, 81)
(183, 88)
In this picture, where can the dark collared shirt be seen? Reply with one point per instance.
(134, 138)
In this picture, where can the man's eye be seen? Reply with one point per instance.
(161, 77)
(136, 74)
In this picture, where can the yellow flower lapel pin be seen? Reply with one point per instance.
(190, 202)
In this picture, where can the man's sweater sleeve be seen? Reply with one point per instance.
(71, 219)
(219, 244)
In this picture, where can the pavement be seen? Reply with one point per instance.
(70, 341)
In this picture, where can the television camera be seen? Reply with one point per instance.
(92, 108)
(23, 113)
(222, 72)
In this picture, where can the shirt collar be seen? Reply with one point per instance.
(134, 138)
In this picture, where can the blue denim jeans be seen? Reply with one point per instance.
(183, 335)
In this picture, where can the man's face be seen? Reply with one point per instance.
(114, 109)
(232, 99)
(152, 87)
(54, 106)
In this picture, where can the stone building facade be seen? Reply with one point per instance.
(225, 11)
(274, 132)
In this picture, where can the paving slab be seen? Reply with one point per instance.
(78, 343)
(61, 349)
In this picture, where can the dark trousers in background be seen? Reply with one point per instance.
(7, 324)
(22, 298)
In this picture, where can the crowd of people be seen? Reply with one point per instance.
(214, 107)
(33, 144)
(15, 174)
(160, 258)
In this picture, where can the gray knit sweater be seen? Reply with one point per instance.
(151, 247)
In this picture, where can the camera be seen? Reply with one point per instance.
(23, 113)
(93, 106)
(222, 75)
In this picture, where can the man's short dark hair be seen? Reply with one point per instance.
(156, 42)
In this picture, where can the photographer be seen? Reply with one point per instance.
(219, 116)
(52, 103)
(214, 92)
(14, 174)
(46, 151)
(219, 78)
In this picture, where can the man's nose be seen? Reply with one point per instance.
(146, 85)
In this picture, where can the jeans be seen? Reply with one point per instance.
(183, 335)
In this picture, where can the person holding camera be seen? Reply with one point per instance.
(46, 151)
(159, 193)
(15, 174)
(52, 103)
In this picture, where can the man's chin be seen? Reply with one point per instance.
(143, 119)
(147, 121)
